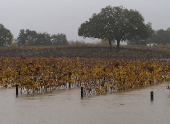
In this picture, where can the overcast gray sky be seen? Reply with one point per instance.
(65, 16)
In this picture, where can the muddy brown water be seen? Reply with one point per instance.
(66, 107)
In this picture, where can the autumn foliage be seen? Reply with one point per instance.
(99, 76)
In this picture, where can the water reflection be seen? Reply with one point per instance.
(67, 107)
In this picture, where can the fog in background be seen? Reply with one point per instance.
(66, 16)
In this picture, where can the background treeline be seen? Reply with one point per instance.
(159, 37)
(32, 38)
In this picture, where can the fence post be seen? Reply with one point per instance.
(82, 91)
(16, 89)
(152, 95)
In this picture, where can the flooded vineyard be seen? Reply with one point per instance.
(50, 93)
(67, 107)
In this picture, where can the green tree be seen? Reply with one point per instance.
(21, 40)
(27, 37)
(161, 37)
(43, 39)
(115, 23)
(30, 38)
(59, 39)
(5, 36)
(168, 35)
(143, 36)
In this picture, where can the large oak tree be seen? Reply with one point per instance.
(115, 23)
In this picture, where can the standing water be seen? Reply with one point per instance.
(67, 107)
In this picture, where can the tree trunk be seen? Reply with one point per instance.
(118, 45)
(110, 43)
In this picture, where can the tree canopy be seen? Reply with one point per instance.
(5, 36)
(115, 23)
(142, 40)
(59, 39)
(161, 37)
(30, 38)
(27, 37)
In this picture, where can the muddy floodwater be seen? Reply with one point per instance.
(67, 107)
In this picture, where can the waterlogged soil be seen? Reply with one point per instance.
(67, 107)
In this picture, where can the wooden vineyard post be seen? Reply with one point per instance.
(69, 75)
(152, 95)
(19, 77)
(16, 89)
(82, 90)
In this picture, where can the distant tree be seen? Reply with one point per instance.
(22, 38)
(168, 35)
(59, 39)
(140, 38)
(43, 39)
(5, 36)
(27, 38)
(161, 37)
(30, 38)
(115, 23)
